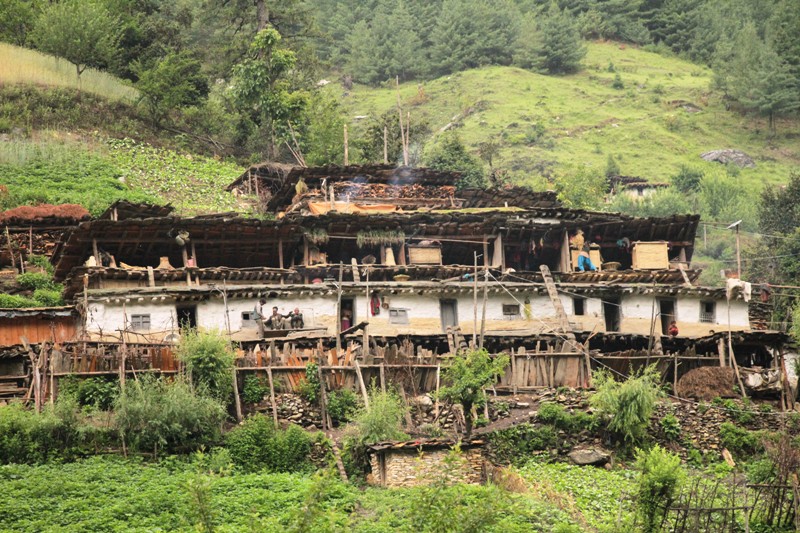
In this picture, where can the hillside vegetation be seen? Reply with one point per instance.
(663, 117)
(24, 66)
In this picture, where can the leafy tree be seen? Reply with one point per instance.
(753, 74)
(324, 136)
(688, 179)
(467, 376)
(209, 361)
(84, 32)
(662, 476)
(551, 43)
(16, 20)
(581, 187)
(626, 406)
(173, 82)
(263, 89)
(371, 145)
(612, 167)
(451, 154)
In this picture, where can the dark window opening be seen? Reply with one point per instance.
(187, 316)
(449, 312)
(612, 314)
(398, 316)
(666, 309)
(579, 306)
(140, 322)
(708, 312)
(511, 310)
(348, 313)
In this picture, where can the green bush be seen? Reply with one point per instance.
(99, 393)
(516, 444)
(556, 415)
(58, 432)
(209, 360)
(308, 388)
(254, 390)
(257, 445)
(670, 427)
(36, 280)
(627, 406)
(48, 297)
(154, 415)
(661, 478)
(739, 441)
(41, 261)
(383, 421)
(342, 405)
(15, 301)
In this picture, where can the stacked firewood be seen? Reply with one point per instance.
(383, 190)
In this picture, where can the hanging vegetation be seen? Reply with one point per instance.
(379, 237)
(316, 236)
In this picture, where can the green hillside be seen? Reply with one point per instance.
(665, 116)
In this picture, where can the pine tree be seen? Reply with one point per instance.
(361, 60)
(551, 43)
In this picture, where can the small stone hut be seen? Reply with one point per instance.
(419, 462)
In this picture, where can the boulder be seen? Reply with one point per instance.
(424, 402)
(589, 456)
(725, 156)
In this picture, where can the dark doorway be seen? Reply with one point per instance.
(187, 316)
(666, 308)
(449, 311)
(611, 314)
(348, 314)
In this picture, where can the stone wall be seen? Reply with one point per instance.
(409, 468)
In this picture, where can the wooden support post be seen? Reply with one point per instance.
(122, 352)
(361, 384)
(323, 396)
(96, 252)
(194, 256)
(236, 398)
(272, 396)
(483, 313)
(385, 145)
(184, 256)
(675, 374)
(339, 311)
(383, 378)
(11, 249)
(734, 364)
(30, 241)
(721, 350)
(436, 396)
(305, 251)
(475, 303)
(485, 253)
(280, 253)
(513, 372)
(151, 278)
(346, 147)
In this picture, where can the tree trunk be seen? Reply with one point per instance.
(467, 420)
(262, 14)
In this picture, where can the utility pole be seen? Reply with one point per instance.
(475, 303)
(735, 226)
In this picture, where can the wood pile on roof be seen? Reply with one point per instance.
(617, 183)
(125, 210)
(416, 444)
(44, 215)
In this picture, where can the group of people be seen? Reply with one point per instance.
(294, 320)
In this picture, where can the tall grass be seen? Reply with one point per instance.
(23, 66)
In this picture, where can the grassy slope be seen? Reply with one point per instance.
(586, 119)
(65, 148)
(21, 65)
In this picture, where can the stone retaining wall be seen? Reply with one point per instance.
(409, 468)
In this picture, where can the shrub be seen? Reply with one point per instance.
(342, 405)
(257, 445)
(516, 444)
(467, 376)
(739, 441)
(670, 427)
(209, 360)
(383, 421)
(15, 301)
(661, 477)
(42, 262)
(48, 297)
(254, 390)
(30, 437)
(99, 393)
(154, 415)
(308, 388)
(36, 280)
(555, 415)
(627, 406)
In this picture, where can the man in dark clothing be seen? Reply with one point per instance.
(276, 321)
(296, 319)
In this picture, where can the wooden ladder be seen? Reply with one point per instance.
(571, 344)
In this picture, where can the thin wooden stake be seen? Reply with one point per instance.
(346, 147)
(361, 385)
(436, 396)
(236, 398)
(385, 145)
(272, 397)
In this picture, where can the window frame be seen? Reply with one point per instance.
(139, 320)
(398, 316)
